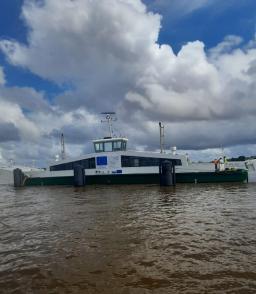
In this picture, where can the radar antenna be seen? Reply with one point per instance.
(110, 117)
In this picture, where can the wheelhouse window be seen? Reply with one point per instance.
(99, 147)
(108, 146)
(117, 145)
(124, 145)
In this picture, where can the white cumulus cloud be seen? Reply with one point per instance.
(11, 113)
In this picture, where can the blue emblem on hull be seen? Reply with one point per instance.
(118, 171)
(102, 160)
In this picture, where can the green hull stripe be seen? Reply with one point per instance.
(200, 177)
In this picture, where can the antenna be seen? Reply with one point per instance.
(110, 117)
(161, 128)
(12, 156)
(63, 153)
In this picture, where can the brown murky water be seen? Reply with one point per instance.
(128, 239)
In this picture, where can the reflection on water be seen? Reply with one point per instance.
(128, 239)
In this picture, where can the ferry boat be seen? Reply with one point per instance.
(112, 163)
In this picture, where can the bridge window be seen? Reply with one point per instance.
(99, 147)
(117, 145)
(108, 146)
(124, 145)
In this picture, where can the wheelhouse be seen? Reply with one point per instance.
(109, 144)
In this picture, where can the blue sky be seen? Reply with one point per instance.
(211, 24)
(12, 26)
(99, 68)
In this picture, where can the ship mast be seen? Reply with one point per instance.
(110, 117)
(63, 152)
(161, 128)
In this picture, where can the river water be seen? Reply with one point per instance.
(128, 239)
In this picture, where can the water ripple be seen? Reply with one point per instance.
(128, 239)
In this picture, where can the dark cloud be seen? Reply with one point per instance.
(27, 98)
(252, 69)
(8, 132)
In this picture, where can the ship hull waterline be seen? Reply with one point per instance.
(117, 179)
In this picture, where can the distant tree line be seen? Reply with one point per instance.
(241, 158)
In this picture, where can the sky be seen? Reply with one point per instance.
(188, 63)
